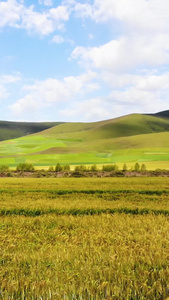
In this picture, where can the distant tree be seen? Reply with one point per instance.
(51, 169)
(124, 167)
(143, 167)
(25, 167)
(93, 168)
(4, 168)
(58, 168)
(81, 168)
(66, 168)
(109, 168)
(116, 167)
(136, 167)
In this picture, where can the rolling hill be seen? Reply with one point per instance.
(11, 130)
(129, 125)
(162, 114)
(131, 138)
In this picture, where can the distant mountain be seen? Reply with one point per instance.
(162, 114)
(11, 130)
(128, 125)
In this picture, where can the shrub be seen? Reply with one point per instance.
(117, 174)
(124, 167)
(78, 174)
(25, 167)
(66, 168)
(51, 169)
(93, 168)
(4, 168)
(143, 167)
(81, 168)
(109, 168)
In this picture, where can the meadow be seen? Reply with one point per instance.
(84, 238)
(128, 139)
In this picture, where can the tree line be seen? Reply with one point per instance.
(26, 167)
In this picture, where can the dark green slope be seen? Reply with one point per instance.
(11, 130)
(162, 114)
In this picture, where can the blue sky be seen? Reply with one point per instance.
(90, 60)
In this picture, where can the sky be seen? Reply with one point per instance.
(83, 60)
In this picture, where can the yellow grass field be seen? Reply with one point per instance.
(86, 238)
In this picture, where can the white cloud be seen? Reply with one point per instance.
(15, 14)
(140, 93)
(36, 22)
(5, 81)
(83, 10)
(143, 14)
(129, 93)
(3, 92)
(57, 39)
(142, 43)
(10, 13)
(59, 15)
(148, 80)
(51, 92)
(126, 53)
(88, 110)
(142, 40)
(46, 2)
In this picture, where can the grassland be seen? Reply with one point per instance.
(129, 139)
(104, 238)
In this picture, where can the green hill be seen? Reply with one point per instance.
(11, 130)
(162, 114)
(130, 138)
(129, 125)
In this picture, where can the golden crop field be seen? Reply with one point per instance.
(90, 238)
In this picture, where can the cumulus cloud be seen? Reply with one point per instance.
(139, 93)
(126, 53)
(10, 13)
(143, 14)
(15, 14)
(51, 92)
(128, 93)
(142, 43)
(131, 66)
(142, 38)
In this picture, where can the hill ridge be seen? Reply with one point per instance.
(13, 129)
(134, 137)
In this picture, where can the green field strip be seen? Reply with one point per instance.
(89, 192)
(81, 212)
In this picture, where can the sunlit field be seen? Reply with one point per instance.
(85, 238)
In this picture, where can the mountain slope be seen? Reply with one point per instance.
(129, 125)
(11, 130)
(162, 114)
